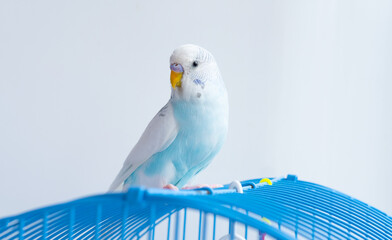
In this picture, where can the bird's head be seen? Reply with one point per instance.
(194, 72)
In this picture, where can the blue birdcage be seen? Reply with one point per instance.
(276, 208)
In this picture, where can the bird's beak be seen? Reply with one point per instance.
(176, 75)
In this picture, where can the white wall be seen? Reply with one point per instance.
(309, 81)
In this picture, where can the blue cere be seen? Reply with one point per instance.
(176, 67)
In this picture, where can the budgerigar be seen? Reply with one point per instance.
(186, 134)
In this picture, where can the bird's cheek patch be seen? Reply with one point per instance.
(199, 82)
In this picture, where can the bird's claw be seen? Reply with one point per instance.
(171, 187)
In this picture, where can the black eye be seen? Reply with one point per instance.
(195, 63)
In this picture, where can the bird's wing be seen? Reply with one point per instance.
(159, 134)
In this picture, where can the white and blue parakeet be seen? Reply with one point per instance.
(186, 134)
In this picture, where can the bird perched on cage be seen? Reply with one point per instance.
(186, 134)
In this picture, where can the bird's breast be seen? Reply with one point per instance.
(201, 118)
(202, 128)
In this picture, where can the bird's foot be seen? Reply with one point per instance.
(203, 185)
(171, 187)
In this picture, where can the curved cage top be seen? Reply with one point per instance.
(277, 208)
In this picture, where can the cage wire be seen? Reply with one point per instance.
(269, 208)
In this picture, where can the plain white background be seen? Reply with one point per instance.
(309, 85)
